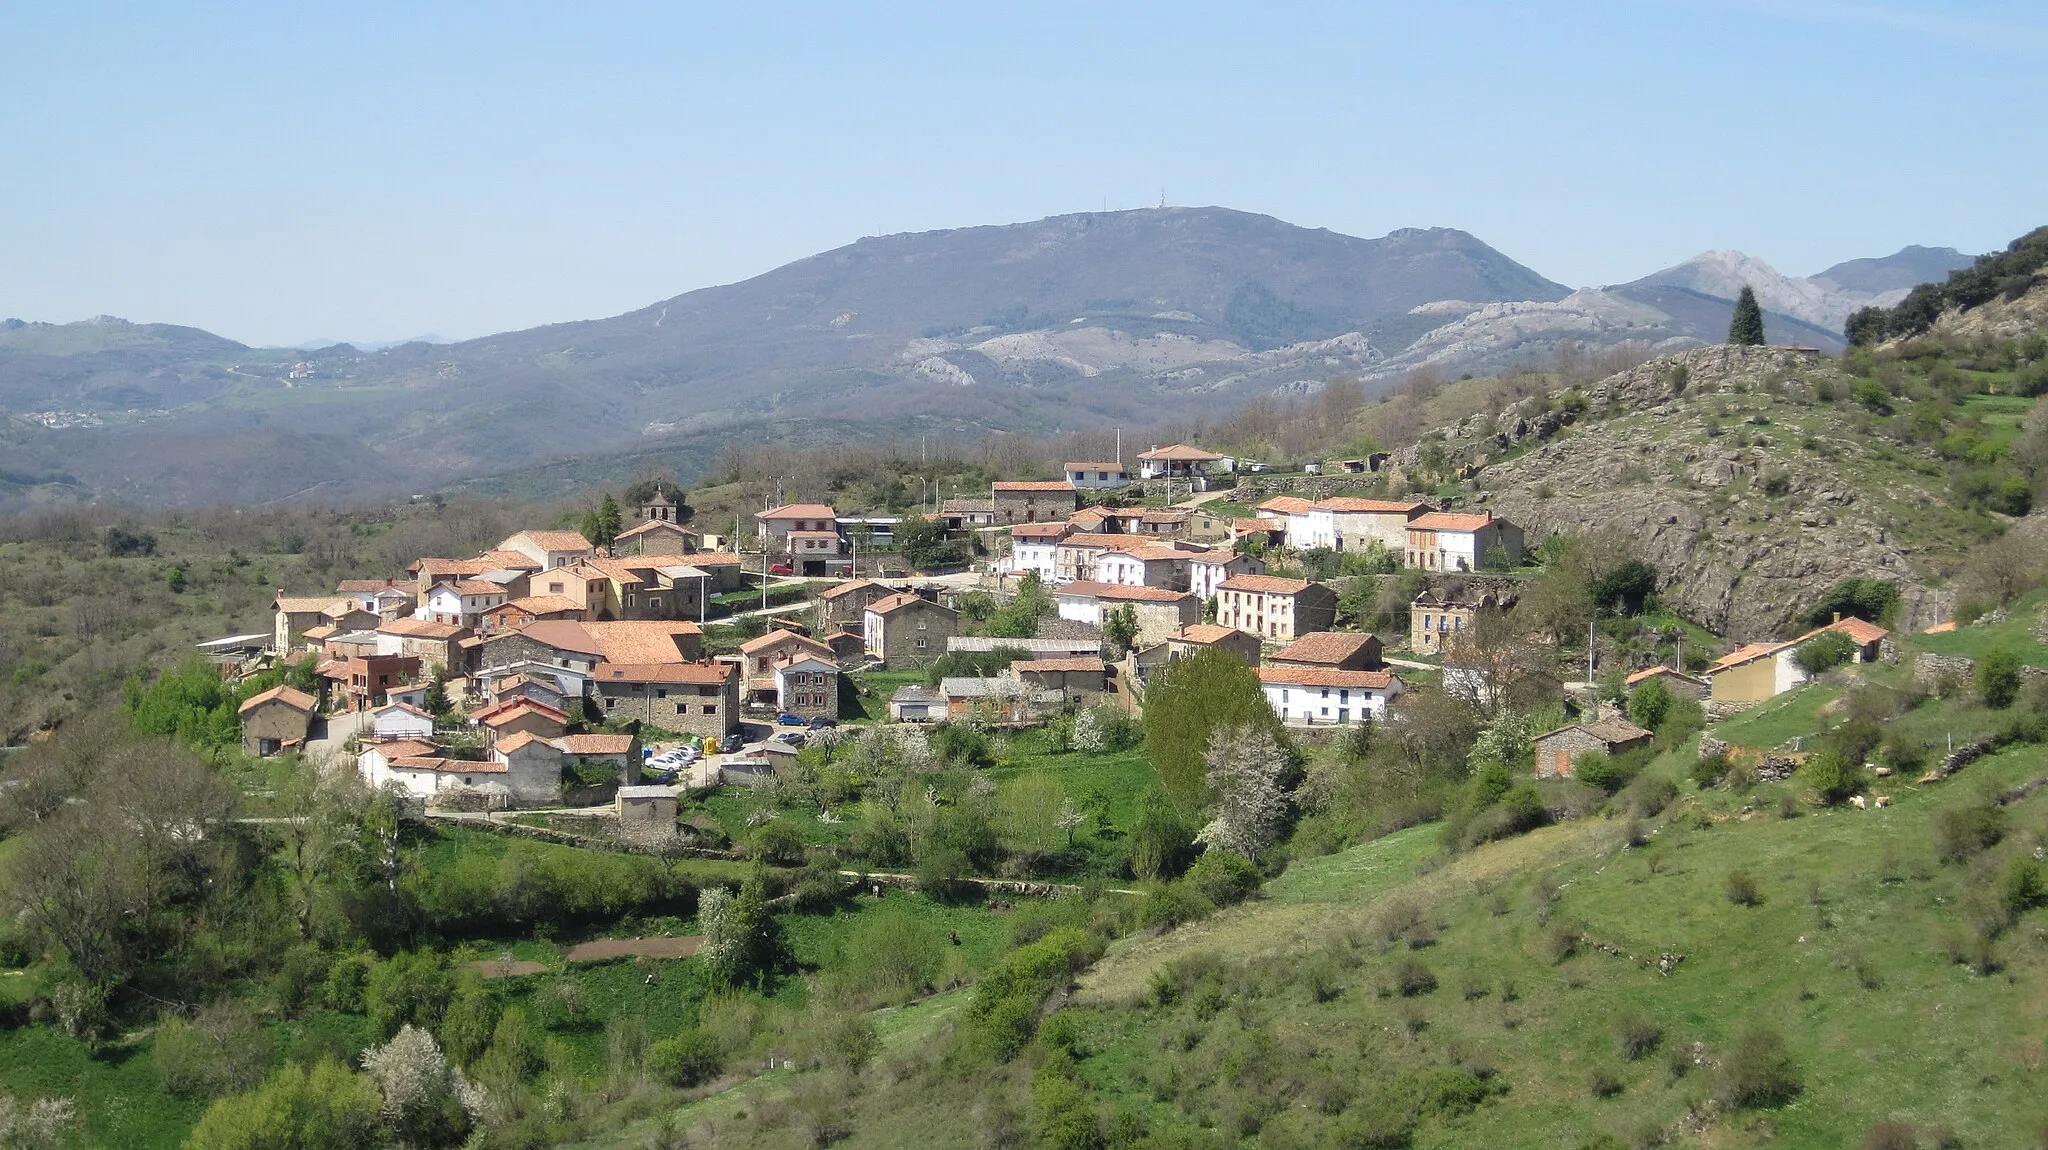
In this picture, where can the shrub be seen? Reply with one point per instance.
(687, 1059)
(1648, 795)
(1173, 904)
(1833, 776)
(1892, 1134)
(1824, 652)
(1062, 1114)
(1998, 678)
(2022, 886)
(412, 987)
(1224, 877)
(1960, 832)
(221, 1051)
(1757, 1071)
(1412, 978)
(1709, 770)
(1741, 889)
(1635, 1037)
(1608, 772)
(1604, 1084)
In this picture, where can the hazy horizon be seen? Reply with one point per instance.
(280, 177)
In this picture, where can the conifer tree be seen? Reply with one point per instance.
(1747, 328)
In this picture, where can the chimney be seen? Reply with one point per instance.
(1838, 616)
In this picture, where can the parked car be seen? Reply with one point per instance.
(785, 719)
(780, 569)
(793, 738)
(820, 722)
(731, 743)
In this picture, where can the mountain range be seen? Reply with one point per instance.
(1071, 322)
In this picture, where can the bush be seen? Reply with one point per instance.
(1635, 1037)
(1824, 652)
(1225, 878)
(1833, 776)
(1961, 832)
(1608, 772)
(221, 1051)
(1709, 770)
(1648, 795)
(687, 1059)
(1757, 1072)
(1604, 1084)
(1412, 978)
(329, 1106)
(1063, 1114)
(1741, 889)
(412, 987)
(1004, 1011)
(1998, 678)
(1173, 904)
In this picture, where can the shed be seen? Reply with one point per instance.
(275, 719)
(917, 704)
(645, 806)
(1555, 749)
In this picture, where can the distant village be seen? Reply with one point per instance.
(496, 681)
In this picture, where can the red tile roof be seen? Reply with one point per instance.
(420, 629)
(798, 511)
(1325, 677)
(554, 540)
(1286, 504)
(1862, 631)
(1040, 530)
(1058, 665)
(1088, 589)
(295, 699)
(651, 526)
(508, 745)
(594, 744)
(1265, 584)
(1331, 647)
(1207, 634)
(847, 588)
(1450, 521)
(477, 587)
(539, 605)
(901, 600)
(1180, 453)
(1036, 487)
(779, 637)
(403, 748)
(1651, 672)
(1092, 465)
(1391, 506)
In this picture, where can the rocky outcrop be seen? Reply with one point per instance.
(1734, 468)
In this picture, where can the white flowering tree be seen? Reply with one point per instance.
(425, 1099)
(1244, 766)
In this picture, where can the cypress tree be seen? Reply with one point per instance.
(1747, 328)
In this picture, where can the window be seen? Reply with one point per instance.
(661, 692)
(683, 708)
(709, 710)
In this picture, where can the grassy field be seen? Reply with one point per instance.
(2015, 634)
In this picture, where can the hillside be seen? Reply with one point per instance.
(1754, 478)
(1823, 301)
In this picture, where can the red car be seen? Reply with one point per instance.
(780, 569)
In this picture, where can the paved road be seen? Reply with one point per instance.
(333, 732)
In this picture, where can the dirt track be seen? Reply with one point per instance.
(596, 949)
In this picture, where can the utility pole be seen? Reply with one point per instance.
(1592, 687)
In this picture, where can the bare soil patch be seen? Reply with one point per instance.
(601, 948)
(492, 968)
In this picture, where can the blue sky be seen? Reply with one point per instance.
(280, 172)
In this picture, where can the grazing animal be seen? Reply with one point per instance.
(1857, 802)
(1881, 800)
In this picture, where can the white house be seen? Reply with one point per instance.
(1317, 696)
(775, 524)
(1453, 541)
(1153, 566)
(420, 769)
(401, 721)
(461, 603)
(1033, 547)
(1313, 527)
(1179, 461)
(1097, 476)
(1207, 571)
(550, 549)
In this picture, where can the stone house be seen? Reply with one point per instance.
(645, 808)
(694, 698)
(429, 642)
(1274, 608)
(1456, 541)
(526, 610)
(814, 552)
(1556, 749)
(276, 719)
(369, 593)
(1033, 502)
(1356, 524)
(294, 615)
(843, 604)
(907, 631)
(1160, 612)
(520, 715)
(1198, 637)
(807, 685)
(1077, 680)
(964, 514)
(1335, 650)
(1075, 558)
(550, 549)
(1262, 531)
(1436, 620)
(760, 655)
(359, 682)
(657, 537)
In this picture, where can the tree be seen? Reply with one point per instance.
(1187, 701)
(601, 524)
(1824, 652)
(1998, 678)
(1649, 703)
(428, 1102)
(739, 935)
(1627, 589)
(925, 546)
(1747, 328)
(1244, 766)
(1120, 629)
(326, 1108)
(1874, 600)
(320, 822)
(40, 1126)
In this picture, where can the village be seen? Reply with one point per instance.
(550, 672)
